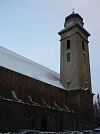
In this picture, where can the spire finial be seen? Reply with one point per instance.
(73, 10)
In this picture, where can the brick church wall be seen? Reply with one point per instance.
(29, 103)
(26, 102)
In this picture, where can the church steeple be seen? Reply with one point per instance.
(74, 54)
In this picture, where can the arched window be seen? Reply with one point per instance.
(68, 57)
(84, 60)
(20, 88)
(83, 47)
(68, 44)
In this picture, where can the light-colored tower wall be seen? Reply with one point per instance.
(75, 74)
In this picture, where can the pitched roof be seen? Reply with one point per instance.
(24, 66)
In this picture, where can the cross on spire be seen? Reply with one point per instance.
(73, 10)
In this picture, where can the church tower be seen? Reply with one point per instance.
(74, 54)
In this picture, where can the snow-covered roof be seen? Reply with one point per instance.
(24, 66)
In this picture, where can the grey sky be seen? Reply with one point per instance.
(30, 28)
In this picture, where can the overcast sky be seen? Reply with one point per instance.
(30, 28)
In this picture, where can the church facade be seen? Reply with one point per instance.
(35, 97)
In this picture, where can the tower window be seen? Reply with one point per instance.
(68, 44)
(68, 57)
(84, 60)
(83, 47)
